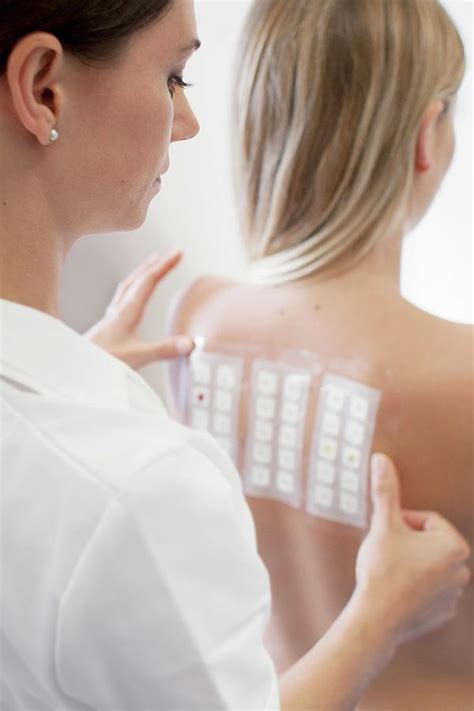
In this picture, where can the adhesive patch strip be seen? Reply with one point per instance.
(215, 391)
(340, 450)
(274, 447)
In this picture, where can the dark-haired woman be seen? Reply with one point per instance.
(130, 578)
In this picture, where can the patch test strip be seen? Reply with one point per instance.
(276, 421)
(340, 450)
(215, 392)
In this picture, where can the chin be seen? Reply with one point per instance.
(132, 221)
(128, 219)
(137, 223)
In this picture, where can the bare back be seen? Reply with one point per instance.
(428, 385)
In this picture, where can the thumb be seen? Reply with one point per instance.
(385, 490)
(167, 349)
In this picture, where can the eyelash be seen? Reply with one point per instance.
(447, 106)
(177, 81)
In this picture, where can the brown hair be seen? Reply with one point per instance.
(330, 98)
(92, 30)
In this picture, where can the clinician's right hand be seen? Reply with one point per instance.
(411, 562)
(117, 331)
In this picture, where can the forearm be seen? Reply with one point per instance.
(334, 674)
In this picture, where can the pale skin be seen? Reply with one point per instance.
(45, 88)
(423, 366)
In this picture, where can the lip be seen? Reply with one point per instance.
(158, 179)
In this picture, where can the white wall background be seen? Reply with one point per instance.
(195, 209)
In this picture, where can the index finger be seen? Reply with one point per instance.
(155, 261)
(427, 520)
(432, 521)
(139, 293)
(416, 519)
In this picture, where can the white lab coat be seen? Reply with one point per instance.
(130, 577)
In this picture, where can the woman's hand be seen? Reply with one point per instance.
(413, 563)
(117, 331)
(410, 574)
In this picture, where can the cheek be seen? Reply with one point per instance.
(143, 134)
(119, 140)
(453, 145)
(129, 127)
(150, 125)
(450, 143)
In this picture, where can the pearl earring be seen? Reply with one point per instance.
(54, 135)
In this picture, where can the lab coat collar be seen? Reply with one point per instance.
(41, 353)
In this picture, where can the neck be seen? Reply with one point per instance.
(379, 268)
(382, 265)
(32, 250)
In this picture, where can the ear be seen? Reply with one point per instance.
(427, 136)
(32, 78)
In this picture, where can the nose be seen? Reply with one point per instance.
(185, 123)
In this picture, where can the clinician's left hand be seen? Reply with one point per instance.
(117, 333)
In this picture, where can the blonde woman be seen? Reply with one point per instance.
(344, 125)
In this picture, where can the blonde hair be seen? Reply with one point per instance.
(329, 101)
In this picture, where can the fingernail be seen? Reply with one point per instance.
(378, 465)
(184, 345)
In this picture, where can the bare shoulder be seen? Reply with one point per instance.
(195, 311)
(444, 369)
(200, 307)
(448, 347)
(187, 305)
(460, 333)
(433, 447)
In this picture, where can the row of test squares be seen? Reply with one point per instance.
(278, 408)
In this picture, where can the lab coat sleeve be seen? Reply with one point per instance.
(167, 605)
